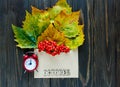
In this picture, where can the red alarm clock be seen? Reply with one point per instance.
(30, 61)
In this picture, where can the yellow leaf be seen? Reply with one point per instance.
(63, 18)
(51, 33)
(77, 41)
(36, 10)
(64, 4)
(42, 13)
(67, 23)
(59, 6)
(59, 20)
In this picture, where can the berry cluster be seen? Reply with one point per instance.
(52, 48)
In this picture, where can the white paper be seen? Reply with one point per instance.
(64, 65)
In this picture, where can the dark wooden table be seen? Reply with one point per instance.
(99, 57)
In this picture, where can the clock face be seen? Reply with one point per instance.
(30, 64)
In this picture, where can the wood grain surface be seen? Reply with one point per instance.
(99, 57)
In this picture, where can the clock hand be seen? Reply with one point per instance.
(30, 62)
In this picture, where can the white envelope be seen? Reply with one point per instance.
(64, 65)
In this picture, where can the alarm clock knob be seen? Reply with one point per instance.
(25, 56)
(34, 56)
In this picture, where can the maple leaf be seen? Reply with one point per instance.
(42, 13)
(43, 20)
(30, 25)
(59, 6)
(36, 23)
(68, 23)
(64, 5)
(51, 33)
(73, 43)
(23, 40)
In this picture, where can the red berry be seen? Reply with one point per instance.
(52, 48)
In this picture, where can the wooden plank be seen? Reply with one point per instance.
(64, 83)
(117, 41)
(103, 53)
(11, 70)
(3, 55)
(117, 50)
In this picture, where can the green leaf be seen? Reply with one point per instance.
(73, 43)
(22, 38)
(59, 6)
(36, 23)
(70, 30)
(43, 24)
(68, 23)
(30, 25)
(64, 5)
(43, 13)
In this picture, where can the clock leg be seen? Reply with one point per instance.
(24, 71)
(36, 70)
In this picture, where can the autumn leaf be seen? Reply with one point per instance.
(23, 40)
(36, 10)
(73, 43)
(42, 13)
(30, 25)
(36, 23)
(59, 6)
(64, 5)
(68, 23)
(43, 20)
(51, 33)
